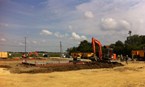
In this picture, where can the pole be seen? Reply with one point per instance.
(25, 45)
(25, 56)
(60, 49)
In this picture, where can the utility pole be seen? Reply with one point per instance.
(25, 45)
(129, 33)
(129, 38)
(60, 50)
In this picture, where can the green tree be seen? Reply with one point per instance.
(134, 42)
(119, 47)
(85, 46)
(70, 50)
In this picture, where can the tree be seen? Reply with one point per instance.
(134, 42)
(119, 47)
(85, 46)
(70, 50)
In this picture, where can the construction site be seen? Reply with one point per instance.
(93, 69)
(72, 43)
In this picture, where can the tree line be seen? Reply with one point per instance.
(134, 42)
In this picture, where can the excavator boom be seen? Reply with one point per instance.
(94, 42)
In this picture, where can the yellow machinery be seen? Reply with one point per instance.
(82, 55)
(76, 55)
(3, 54)
(87, 55)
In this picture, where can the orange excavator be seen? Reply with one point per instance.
(100, 57)
(107, 56)
(93, 58)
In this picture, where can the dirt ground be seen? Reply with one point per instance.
(131, 75)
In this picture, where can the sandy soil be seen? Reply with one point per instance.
(131, 75)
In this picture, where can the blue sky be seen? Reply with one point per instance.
(47, 22)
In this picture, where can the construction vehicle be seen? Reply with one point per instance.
(33, 54)
(109, 55)
(138, 54)
(3, 55)
(30, 55)
(76, 54)
(76, 63)
(92, 55)
(82, 55)
(87, 55)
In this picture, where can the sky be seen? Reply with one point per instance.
(45, 23)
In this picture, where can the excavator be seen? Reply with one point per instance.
(106, 57)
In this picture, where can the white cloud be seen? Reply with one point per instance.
(99, 18)
(59, 35)
(108, 23)
(84, 37)
(78, 37)
(89, 14)
(3, 39)
(124, 24)
(114, 24)
(46, 32)
(75, 36)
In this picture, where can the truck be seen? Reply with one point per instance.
(138, 54)
(3, 55)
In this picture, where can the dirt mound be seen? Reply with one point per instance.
(5, 66)
(22, 68)
(18, 67)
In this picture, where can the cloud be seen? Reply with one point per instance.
(3, 39)
(83, 37)
(125, 24)
(56, 34)
(75, 36)
(66, 19)
(46, 32)
(108, 23)
(114, 24)
(59, 35)
(89, 14)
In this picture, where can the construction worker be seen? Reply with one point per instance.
(24, 57)
(75, 58)
(121, 58)
(126, 59)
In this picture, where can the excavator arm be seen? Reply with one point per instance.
(94, 42)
